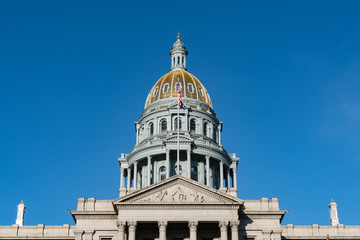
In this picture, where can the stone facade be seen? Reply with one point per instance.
(178, 182)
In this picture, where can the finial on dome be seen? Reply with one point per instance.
(178, 54)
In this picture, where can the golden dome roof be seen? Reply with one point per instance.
(166, 88)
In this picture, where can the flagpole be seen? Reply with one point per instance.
(178, 132)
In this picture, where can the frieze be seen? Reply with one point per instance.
(180, 206)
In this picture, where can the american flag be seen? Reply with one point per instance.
(180, 103)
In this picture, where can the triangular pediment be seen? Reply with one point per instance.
(178, 190)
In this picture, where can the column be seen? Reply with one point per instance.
(132, 229)
(162, 230)
(228, 178)
(149, 171)
(189, 162)
(207, 170)
(223, 229)
(221, 174)
(88, 235)
(122, 177)
(155, 173)
(234, 177)
(219, 133)
(135, 174)
(128, 178)
(234, 230)
(167, 163)
(137, 134)
(193, 227)
(121, 227)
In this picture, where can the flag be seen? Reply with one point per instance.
(180, 103)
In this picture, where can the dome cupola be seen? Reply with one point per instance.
(178, 54)
(164, 92)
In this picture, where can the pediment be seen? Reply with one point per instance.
(174, 139)
(178, 190)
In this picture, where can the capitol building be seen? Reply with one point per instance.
(178, 182)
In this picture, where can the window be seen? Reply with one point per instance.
(205, 129)
(194, 173)
(190, 88)
(163, 126)
(201, 91)
(162, 172)
(178, 61)
(166, 88)
(151, 128)
(182, 60)
(176, 124)
(192, 126)
(155, 91)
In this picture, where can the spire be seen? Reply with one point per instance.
(178, 55)
(333, 213)
(20, 214)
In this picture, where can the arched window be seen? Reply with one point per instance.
(163, 126)
(155, 91)
(178, 61)
(190, 88)
(192, 126)
(151, 128)
(194, 173)
(182, 60)
(205, 129)
(166, 88)
(201, 91)
(162, 172)
(173, 60)
(176, 124)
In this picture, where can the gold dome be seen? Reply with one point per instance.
(166, 88)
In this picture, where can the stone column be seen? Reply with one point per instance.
(189, 162)
(128, 178)
(193, 227)
(167, 151)
(121, 229)
(122, 177)
(234, 230)
(149, 171)
(78, 234)
(219, 134)
(155, 173)
(88, 235)
(223, 229)
(221, 175)
(132, 230)
(234, 177)
(207, 170)
(228, 178)
(162, 230)
(135, 174)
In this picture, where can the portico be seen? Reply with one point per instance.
(181, 202)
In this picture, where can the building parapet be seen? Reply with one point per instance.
(315, 231)
(37, 232)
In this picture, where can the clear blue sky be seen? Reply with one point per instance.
(284, 77)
